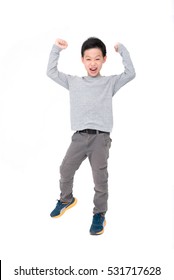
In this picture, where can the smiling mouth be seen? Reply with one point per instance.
(93, 69)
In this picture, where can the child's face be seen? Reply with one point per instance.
(93, 60)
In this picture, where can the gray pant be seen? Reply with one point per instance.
(96, 148)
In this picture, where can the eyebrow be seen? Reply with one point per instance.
(87, 56)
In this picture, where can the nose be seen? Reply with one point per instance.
(92, 62)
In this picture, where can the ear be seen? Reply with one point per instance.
(104, 59)
(82, 58)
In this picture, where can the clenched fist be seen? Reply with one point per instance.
(61, 43)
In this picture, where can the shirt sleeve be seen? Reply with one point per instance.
(52, 68)
(129, 71)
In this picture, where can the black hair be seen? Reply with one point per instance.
(91, 43)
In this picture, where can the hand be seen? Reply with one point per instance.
(61, 43)
(116, 47)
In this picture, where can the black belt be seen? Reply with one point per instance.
(92, 131)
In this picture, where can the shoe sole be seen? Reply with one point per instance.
(64, 210)
(100, 232)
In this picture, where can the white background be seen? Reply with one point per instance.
(35, 134)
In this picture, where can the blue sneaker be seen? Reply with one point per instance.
(98, 224)
(61, 207)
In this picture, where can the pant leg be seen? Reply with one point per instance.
(76, 153)
(98, 158)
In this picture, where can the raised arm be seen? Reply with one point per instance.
(129, 71)
(52, 68)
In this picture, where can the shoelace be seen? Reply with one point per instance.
(59, 203)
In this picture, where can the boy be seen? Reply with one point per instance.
(92, 121)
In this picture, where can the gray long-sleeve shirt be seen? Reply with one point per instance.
(91, 97)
